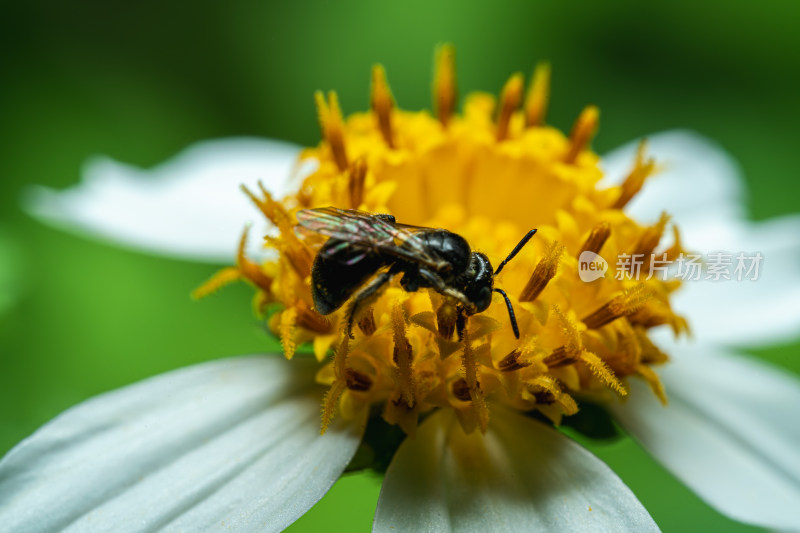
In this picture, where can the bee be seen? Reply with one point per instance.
(365, 251)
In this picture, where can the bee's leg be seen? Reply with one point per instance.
(363, 295)
(461, 323)
(438, 284)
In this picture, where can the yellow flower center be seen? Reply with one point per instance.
(489, 175)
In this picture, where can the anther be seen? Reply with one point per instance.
(446, 316)
(542, 274)
(250, 270)
(444, 84)
(330, 120)
(470, 367)
(538, 96)
(268, 207)
(357, 381)
(544, 397)
(512, 362)
(582, 132)
(311, 320)
(355, 184)
(559, 357)
(633, 182)
(596, 239)
(545, 390)
(244, 269)
(509, 101)
(627, 303)
(403, 356)
(650, 238)
(653, 381)
(461, 390)
(367, 322)
(674, 251)
(382, 103)
(298, 254)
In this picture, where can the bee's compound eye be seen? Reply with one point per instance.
(482, 298)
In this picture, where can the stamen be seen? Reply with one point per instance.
(650, 238)
(260, 301)
(403, 356)
(289, 245)
(674, 251)
(461, 390)
(601, 371)
(538, 96)
(330, 402)
(651, 316)
(545, 389)
(597, 238)
(653, 381)
(250, 270)
(651, 354)
(357, 381)
(446, 316)
(220, 279)
(512, 362)
(269, 207)
(445, 92)
(656, 314)
(582, 132)
(559, 357)
(330, 120)
(382, 103)
(339, 384)
(287, 325)
(633, 183)
(574, 344)
(509, 101)
(244, 269)
(542, 274)
(471, 377)
(355, 185)
(298, 254)
(367, 322)
(311, 320)
(625, 304)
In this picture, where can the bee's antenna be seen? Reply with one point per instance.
(514, 252)
(511, 314)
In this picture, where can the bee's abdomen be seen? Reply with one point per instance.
(333, 281)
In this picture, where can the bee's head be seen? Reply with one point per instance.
(478, 281)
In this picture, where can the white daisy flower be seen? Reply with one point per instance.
(236, 444)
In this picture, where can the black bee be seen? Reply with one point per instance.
(362, 244)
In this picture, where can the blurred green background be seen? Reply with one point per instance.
(140, 81)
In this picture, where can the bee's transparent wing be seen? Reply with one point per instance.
(362, 232)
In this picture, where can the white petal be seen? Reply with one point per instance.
(752, 312)
(702, 188)
(233, 443)
(698, 181)
(190, 207)
(520, 476)
(730, 432)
